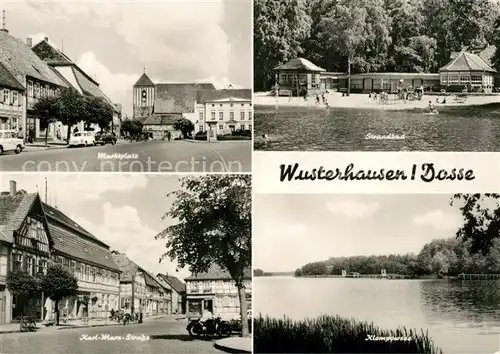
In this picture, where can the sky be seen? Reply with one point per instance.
(295, 229)
(112, 41)
(123, 211)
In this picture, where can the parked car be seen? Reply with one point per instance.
(105, 138)
(10, 142)
(82, 139)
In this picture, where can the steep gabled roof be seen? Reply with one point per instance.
(162, 119)
(51, 55)
(21, 61)
(144, 80)
(128, 267)
(465, 61)
(300, 64)
(215, 272)
(174, 282)
(13, 211)
(163, 283)
(69, 242)
(8, 80)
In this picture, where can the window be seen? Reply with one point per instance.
(93, 274)
(200, 128)
(14, 98)
(37, 91)
(231, 105)
(201, 115)
(82, 276)
(213, 115)
(42, 266)
(30, 265)
(242, 127)
(6, 96)
(221, 115)
(242, 115)
(221, 127)
(242, 105)
(250, 127)
(73, 267)
(213, 105)
(17, 261)
(231, 115)
(221, 105)
(31, 91)
(249, 115)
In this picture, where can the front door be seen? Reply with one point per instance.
(209, 305)
(232, 128)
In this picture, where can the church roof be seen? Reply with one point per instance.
(144, 80)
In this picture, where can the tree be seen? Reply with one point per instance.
(185, 126)
(213, 225)
(71, 109)
(22, 286)
(98, 111)
(57, 284)
(46, 109)
(482, 220)
(258, 272)
(131, 127)
(496, 42)
(280, 27)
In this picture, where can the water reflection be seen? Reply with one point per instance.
(474, 128)
(464, 301)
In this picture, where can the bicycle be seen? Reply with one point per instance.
(28, 324)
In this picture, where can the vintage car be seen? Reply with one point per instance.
(9, 141)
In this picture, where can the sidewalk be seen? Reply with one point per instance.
(73, 324)
(41, 146)
(234, 345)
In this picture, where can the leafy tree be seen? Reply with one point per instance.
(213, 225)
(131, 127)
(46, 109)
(71, 109)
(258, 272)
(57, 284)
(496, 43)
(22, 286)
(98, 111)
(280, 27)
(185, 126)
(482, 220)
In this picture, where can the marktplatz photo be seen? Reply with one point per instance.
(161, 86)
(401, 273)
(102, 263)
(356, 75)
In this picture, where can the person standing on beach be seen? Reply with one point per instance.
(317, 99)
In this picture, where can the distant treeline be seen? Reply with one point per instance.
(448, 257)
(261, 273)
(373, 35)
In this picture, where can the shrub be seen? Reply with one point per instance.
(242, 133)
(328, 334)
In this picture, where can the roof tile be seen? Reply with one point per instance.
(299, 64)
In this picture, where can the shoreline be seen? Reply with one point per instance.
(362, 101)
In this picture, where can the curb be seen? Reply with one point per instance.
(230, 350)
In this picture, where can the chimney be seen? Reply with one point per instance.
(13, 188)
(29, 42)
(46, 39)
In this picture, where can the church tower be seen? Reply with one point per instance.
(144, 97)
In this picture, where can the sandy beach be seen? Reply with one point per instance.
(362, 101)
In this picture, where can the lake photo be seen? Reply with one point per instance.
(376, 274)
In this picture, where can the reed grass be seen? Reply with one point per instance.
(334, 334)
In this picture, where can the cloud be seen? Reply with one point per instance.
(437, 219)
(117, 86)
(353, 209)
(123, 230)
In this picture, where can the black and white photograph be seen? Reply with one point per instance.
(357, 75)
(107, 263)
(121, 86)
(376, 273)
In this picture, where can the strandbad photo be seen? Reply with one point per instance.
(384, 273)
(416, 75)
(84, 80)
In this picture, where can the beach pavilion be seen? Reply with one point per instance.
(298, 77)
(467, 70)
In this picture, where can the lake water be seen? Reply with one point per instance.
(461, 316)
(472, 128)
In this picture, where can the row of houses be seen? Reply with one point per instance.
(213, 112)
(468, 69)
(34, 234)
(29, 72)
